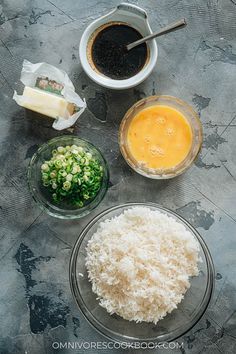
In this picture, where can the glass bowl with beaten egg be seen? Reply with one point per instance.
(160, 137)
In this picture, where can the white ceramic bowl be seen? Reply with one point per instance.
(136, 18)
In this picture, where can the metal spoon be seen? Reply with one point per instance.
(172, 27)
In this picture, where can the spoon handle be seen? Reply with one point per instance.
(169, 28)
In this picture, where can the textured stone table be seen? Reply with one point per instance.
(197, 65)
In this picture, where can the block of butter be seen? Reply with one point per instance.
(49, 91)
(46, 103)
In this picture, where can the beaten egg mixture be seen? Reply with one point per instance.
(159, 137)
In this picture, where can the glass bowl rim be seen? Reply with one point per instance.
(56, 210)
(97, 324)
(168, 172)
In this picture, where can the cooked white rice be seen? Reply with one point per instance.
(140, 262)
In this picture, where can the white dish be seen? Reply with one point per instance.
(136, 17)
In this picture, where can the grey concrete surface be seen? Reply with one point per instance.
(198, 65)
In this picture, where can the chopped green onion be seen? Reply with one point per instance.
(72, 175)
(45, 167)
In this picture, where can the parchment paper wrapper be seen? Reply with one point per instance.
(29, 74)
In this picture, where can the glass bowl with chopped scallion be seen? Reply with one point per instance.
(68, 177)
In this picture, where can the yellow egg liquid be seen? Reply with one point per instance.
(159, 137)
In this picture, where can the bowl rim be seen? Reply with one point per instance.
(56, 210)
(97, 325)
(158, 173)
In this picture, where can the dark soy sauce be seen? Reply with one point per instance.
(110, 56)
